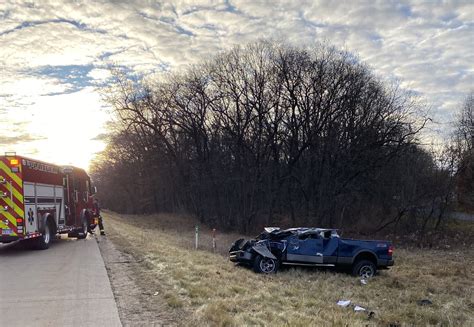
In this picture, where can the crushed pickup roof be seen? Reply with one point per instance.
(298, 230)
(277, 232)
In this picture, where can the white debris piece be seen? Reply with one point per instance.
(357, 308)
(344, 303)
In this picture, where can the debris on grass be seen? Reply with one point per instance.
(344, 303)
(357, 308)
(424, 302)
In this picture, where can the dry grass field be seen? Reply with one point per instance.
(201, 288)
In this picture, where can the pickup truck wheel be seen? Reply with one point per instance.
(265, 265)
(364, 269)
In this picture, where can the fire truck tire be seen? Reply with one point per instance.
(43, 242)
(85, 228)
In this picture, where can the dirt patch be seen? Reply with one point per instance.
(138, 297)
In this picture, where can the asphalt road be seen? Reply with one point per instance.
(66, 285)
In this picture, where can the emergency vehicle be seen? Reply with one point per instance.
(39, 200)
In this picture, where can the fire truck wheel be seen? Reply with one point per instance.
(85, 228)
(42, 242)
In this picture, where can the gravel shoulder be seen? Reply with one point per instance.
(138, 300)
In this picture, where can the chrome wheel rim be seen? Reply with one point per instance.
(267, 265)
(47, 235)
(366, 272)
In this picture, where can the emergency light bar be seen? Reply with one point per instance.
(14, 166)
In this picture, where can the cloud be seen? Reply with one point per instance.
(23, 138)
(58, 48)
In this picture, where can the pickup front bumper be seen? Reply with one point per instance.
(240, 256)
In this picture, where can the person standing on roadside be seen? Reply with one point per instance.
(97, 212)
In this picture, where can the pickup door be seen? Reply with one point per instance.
(312, 248)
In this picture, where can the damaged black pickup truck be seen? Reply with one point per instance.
(311, 247)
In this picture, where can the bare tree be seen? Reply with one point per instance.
(464, 152)
(266, 134)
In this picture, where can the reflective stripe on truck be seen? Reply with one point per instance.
(11, 197)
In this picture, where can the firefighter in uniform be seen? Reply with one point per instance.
(97, 212)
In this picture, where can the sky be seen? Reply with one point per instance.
(54, 55)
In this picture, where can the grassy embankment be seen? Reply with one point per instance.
(203, 288)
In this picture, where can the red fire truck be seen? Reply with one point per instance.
(39, 200)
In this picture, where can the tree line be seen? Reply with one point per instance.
(268, 134)
(463, 151)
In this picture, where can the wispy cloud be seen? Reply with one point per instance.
(22, 138)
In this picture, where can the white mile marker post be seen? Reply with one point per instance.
(197, 236)
(214, 239)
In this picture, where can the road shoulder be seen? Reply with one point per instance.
(138, 303)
